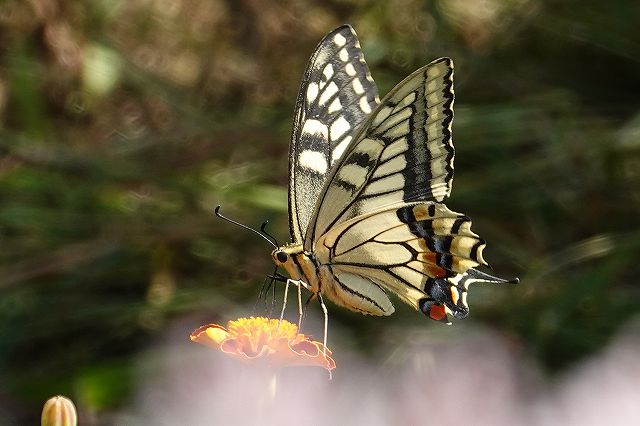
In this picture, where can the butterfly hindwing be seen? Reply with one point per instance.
(402, 153)
(358, 293)
(408, 249)
(336, 95)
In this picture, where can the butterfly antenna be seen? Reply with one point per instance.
(263, 230)
(217, 212)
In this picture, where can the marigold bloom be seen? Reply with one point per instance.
(277, 342)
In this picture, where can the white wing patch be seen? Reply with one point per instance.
(395, 165)
(312, 92)
(357, 86)
(394, 182)
(315, 127)
(339, 149)
(382, 115)
(409, 99)
(339, 40)
(398, 117)
(328, 71)
(353, 174)
(328, 93)
(335, 106)
(399, 130)
(313, 160)
(339, 128)
(364, 106)
(397, 148)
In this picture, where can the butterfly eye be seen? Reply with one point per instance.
(281, 256)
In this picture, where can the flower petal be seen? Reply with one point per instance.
(210, 335)
(277, 342)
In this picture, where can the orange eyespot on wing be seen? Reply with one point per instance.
(434, 310)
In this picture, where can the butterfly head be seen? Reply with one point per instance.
(295, 261)
(283, 255)
(280, 256)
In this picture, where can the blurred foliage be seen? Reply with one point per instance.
(124, 123)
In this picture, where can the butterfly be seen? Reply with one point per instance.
(367, 182)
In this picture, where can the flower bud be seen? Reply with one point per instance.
(59, 411)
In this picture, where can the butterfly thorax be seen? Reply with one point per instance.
(299, 264)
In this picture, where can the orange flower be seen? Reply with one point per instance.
(277, 342)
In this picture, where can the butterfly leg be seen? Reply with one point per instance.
(326, 322)
(300, 311)
(326, 327)
(299, 284)
(284, 301)
(326, 316)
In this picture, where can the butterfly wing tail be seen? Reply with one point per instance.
(449, 295)
(473, 276)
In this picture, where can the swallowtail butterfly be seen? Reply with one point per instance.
(367, 181)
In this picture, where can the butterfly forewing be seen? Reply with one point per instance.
(336, 96)
(402, 153)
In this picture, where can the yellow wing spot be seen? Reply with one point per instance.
(454, 295)
(479, 255)
(420, 212)
(434, 71)
(462, 245)
(422, 245)
(462, 265)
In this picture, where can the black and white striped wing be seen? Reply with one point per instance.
(403, 153)
(336, 96)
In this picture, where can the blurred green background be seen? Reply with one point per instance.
(124, 123)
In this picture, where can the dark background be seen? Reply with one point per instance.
(124, 123)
